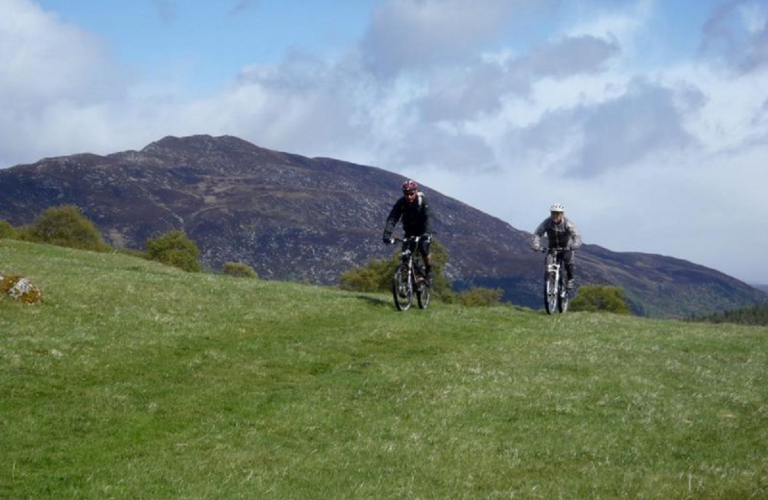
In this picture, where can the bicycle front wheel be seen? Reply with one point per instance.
(550, 294)
(423, 294)
(563, 297)
(402, 288)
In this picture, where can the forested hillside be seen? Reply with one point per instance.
(757, 315)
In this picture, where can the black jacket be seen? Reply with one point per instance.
(414, 214)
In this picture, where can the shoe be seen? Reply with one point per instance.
(569, 284)
(430, 276)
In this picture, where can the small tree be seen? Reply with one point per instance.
(7, 230)
(598, 298)
(175, 249)
(441, 287)
(376, 275)
(239, 270)
(65, 226)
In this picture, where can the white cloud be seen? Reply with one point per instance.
(618, 133)
(52, 77)
(45, 60)
(434, 91)
(409, 34)
(737, 32)
(622, 25)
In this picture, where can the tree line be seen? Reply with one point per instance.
(755, 316)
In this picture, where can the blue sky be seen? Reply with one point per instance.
(209, 42)
(648, 119)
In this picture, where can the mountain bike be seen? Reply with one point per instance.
(556, 295)
(410, 276)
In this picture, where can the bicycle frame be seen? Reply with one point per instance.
(410, 276)
(556, 296)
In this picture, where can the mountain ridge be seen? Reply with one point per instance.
(310, 219)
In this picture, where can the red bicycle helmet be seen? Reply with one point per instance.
(410, 186)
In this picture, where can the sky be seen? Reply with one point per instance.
(647, 119)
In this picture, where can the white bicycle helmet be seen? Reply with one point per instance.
(557, 207)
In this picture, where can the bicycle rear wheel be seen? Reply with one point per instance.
(402, 288)
(550, 294)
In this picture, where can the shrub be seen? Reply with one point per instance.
(480, 297)
(174, 249)
(239, 270)
(65, 226)
(376, 275)
(598, 298)
(7, 230)
(441, 287)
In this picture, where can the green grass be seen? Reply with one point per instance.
(138, 381)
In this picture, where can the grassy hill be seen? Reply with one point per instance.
(134, 380)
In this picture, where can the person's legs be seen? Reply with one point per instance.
(570, 267)
(424, 250)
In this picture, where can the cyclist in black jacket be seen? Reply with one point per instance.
(413, 210)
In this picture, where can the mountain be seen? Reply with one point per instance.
(310, 219)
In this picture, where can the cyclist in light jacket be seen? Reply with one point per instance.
(561, 233)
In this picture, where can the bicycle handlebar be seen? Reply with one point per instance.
(556, 249)
(410, 238)
(403, 240)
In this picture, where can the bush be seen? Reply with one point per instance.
(174, 249)
(376, 276)
(7, 230)
(480, 297)
(65, 226)
(239, 270)
(598, 298)
(441, 287)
